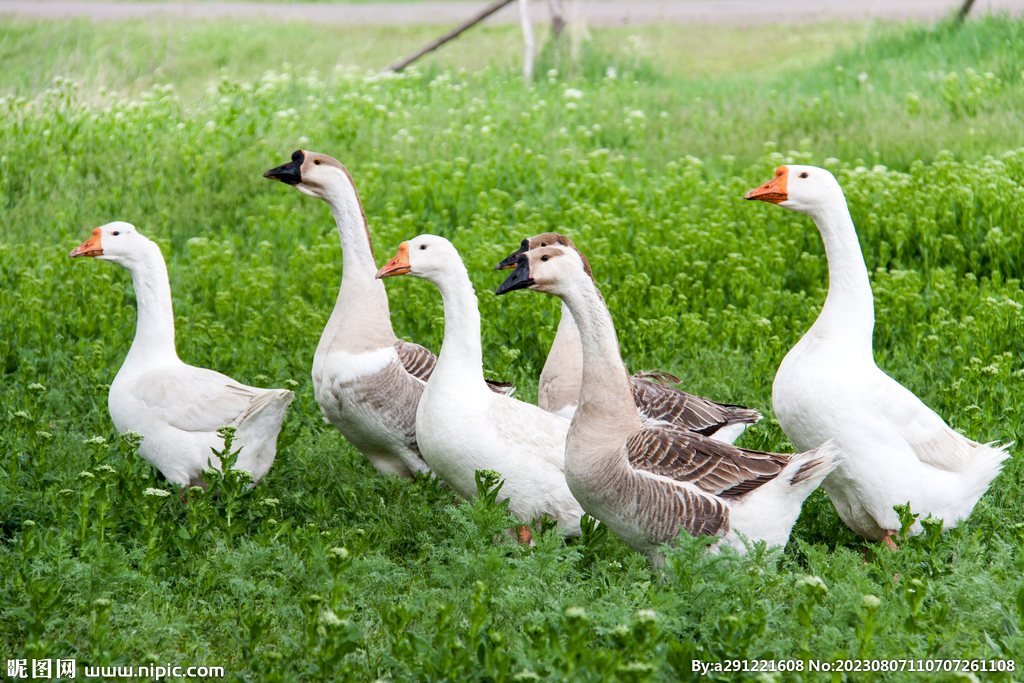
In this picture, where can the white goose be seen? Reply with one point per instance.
(366, 380)
(178, 408)
(895, 449)
(645, 480)
(461, 426)
(559, 386)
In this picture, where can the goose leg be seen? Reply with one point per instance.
(524, 535)
(889, 542)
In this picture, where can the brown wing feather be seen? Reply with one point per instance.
(658, 401)
(715, 467)
(417, 361)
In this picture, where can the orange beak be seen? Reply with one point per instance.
(91, 247)
(774, 190)
(399, 265)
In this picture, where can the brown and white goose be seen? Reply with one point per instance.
(367, 381)
(559, 387)
(645, 480)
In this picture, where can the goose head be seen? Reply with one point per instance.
(427, 256)
(545, 239)
(312, 173)
(552, 270)
(119, 242)
(806, 189)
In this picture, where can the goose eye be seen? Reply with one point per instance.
(543, 244)
(116, 233)
(316, 161)
(804, 174)
(544, 258)
(423, 247)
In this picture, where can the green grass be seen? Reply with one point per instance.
(700, 283)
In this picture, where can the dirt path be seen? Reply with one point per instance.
(593, 12)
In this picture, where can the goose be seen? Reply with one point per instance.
(559, 387)
(646, 480)
(462, 427)
(895, 448)
(178, 408)
(366, 380)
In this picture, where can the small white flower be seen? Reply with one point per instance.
(22, 414)
(636, 114)
(575, 612)
(573, 94)
(329, 618)
(871, 601)
(85, 474)
(35, 386)
(862, 76)
(98, 440)
(646, 615)
(611, 73)
(303, 140)
(157, 493)
(812, 582)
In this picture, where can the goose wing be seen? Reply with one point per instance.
(657, 401)
(417, 361)
(932, 440)
(718, 468)
(197, 399)
(529, 431)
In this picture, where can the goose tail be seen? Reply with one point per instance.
(986, 461)
(257, 435)
(769, 512)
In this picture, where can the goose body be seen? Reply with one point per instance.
(367, 382)
(178, 408)
(462, 426)
(646, 479)
(895, 448)
(560, 380)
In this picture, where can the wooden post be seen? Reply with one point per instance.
(962, 14)
(530, 43)
(454, 33)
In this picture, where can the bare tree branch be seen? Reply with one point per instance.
(433, 45)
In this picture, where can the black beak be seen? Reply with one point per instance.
(510, 260)
(520, 277)
(290, 173)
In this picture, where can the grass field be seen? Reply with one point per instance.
(646, 172)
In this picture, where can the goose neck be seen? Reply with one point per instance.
(566, 345)
(606, 399)
(848, 311)
(362, 304)
(154, 331)
(461, 350)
